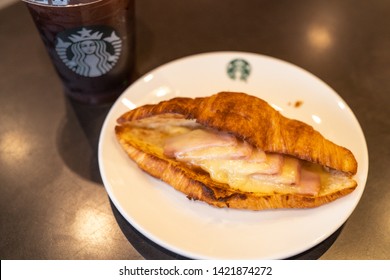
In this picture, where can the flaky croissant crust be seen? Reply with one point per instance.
(255, 121)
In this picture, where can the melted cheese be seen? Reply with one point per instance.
(289, 173)
(197, 140)
(244, 168)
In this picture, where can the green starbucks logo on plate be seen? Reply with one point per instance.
(239, 69)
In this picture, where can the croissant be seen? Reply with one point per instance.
(234, 150)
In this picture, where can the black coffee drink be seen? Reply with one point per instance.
(91, 44)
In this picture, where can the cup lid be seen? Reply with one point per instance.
(60, 2)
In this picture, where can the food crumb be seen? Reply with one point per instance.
(297, 104)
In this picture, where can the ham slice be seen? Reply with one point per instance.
(310, 182)
(289, 173)
(200, 145)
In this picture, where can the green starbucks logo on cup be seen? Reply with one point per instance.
(239, 69)
(89, 51)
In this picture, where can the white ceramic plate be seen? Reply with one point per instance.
(196, 230)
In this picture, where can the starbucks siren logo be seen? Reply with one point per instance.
(238, 69)
(89, 52)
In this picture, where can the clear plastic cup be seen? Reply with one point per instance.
(91, 44)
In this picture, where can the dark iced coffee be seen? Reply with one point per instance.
(90, 44)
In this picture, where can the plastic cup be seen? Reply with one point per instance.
(91, 44)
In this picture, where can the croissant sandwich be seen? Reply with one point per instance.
(234, 150)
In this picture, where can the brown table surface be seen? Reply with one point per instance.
(53, 204)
